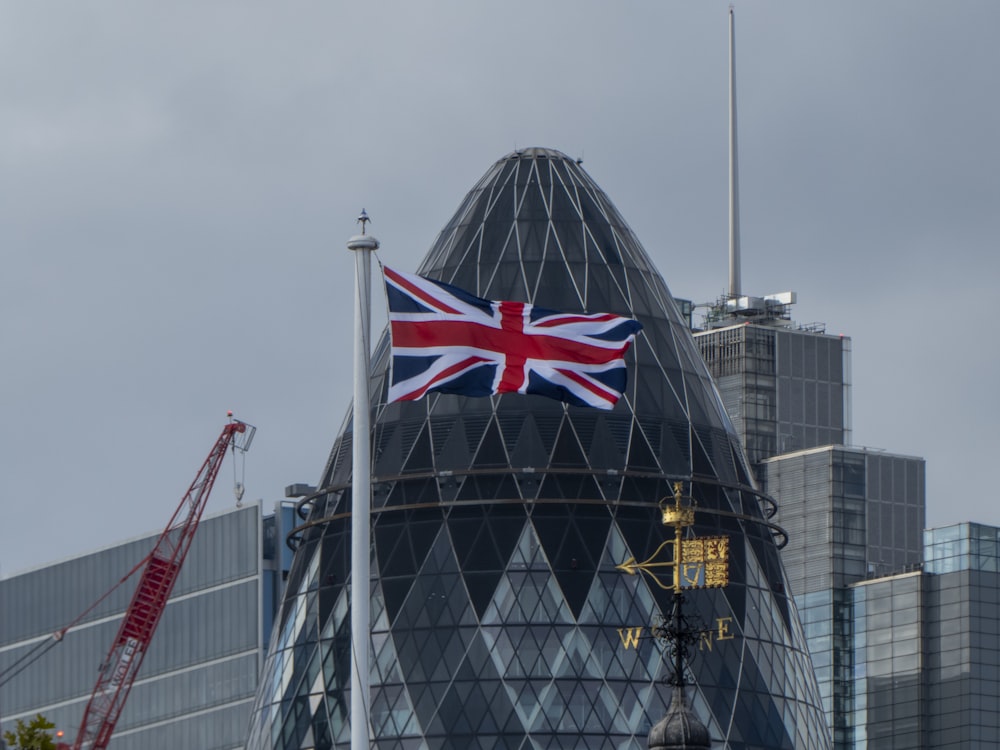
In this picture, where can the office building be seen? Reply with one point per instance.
(927, 648)
(498, 612)
(197, 682)
(786, 387)
(849, 513)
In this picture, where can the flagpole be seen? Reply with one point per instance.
(734, 166)
(362, 246)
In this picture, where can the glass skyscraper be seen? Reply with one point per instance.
(927, 648)
(850, 513)
(786, 387)
(499, 618)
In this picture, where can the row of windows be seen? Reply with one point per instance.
(219, 554)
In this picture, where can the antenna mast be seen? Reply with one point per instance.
(734, 187)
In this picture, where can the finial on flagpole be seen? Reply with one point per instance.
(363, 241)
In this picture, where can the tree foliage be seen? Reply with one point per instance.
(34, 735)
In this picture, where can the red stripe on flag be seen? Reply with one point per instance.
(416, 291)
(512, 322)
(444, 374)
(606, 393)
(566, 319)
(408, 334)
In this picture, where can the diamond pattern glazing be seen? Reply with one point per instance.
(499, 620)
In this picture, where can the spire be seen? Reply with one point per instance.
(734, 187)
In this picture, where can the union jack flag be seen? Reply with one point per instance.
(447, 340)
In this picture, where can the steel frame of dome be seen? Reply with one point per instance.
(498, 614)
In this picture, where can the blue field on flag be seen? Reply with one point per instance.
(447, 340)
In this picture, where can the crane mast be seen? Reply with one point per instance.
(119, 669)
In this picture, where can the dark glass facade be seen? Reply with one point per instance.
(785, 388)
(499, 619)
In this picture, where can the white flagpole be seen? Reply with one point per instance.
(734, 166)
(361, 490)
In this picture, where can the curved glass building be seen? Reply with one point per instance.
(499, 617)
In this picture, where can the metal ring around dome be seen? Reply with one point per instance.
(779, 535)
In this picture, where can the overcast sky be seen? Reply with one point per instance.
(178, 181)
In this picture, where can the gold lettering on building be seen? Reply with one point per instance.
(705, 640)
(630, 637)
(723, 633)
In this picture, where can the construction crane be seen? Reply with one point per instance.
(159, 574)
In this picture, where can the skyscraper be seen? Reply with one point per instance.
(927, 648)
(850, 513)
(499, 618)
(786, 387)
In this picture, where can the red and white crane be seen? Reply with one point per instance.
(159, 574)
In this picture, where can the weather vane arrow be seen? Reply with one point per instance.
(629, 566)
(632, 567)
(696, 562)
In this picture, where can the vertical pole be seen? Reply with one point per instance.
(675, 611)
(678, 561)
(677, 621)
(734, 180)
(361, 492)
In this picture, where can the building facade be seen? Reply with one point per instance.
(197, 682)
(786, 387)
(499, 617)
(927, 648)
(850, 513)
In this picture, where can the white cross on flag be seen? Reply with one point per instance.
(447, 340)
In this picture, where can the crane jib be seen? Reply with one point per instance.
(149, 601)
(151, 595)
(131, 646)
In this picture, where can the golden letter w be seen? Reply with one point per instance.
(630, 637)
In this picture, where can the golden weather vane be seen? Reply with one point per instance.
(695, 563)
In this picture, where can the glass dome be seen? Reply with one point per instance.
(499, 617)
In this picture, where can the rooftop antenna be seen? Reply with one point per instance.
(734, 187)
